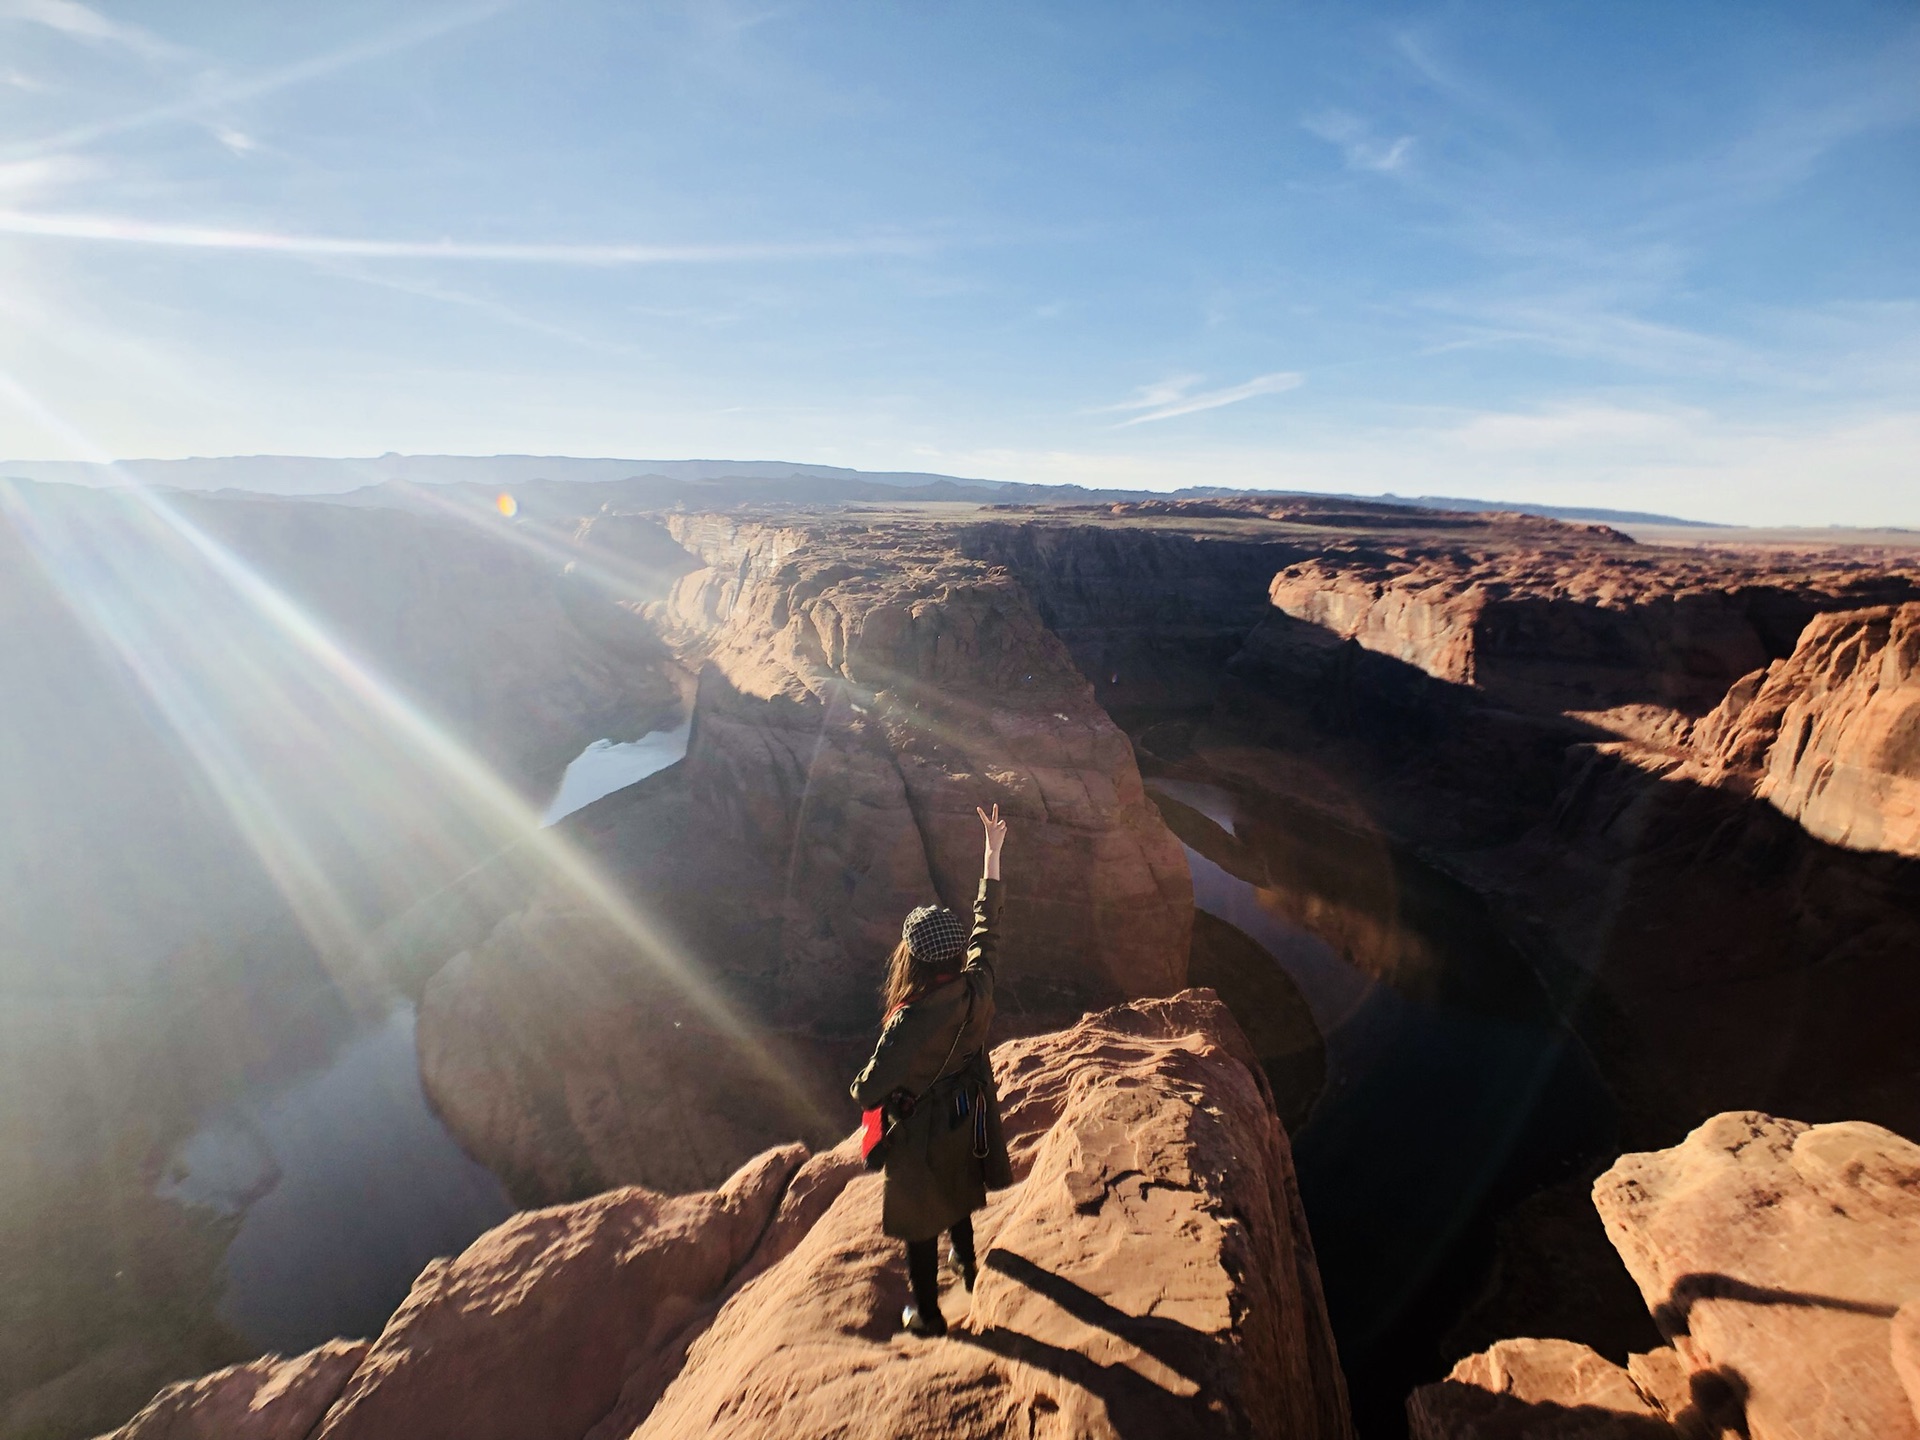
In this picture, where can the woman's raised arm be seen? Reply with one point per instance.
(996, 829)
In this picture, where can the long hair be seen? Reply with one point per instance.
(907, 977)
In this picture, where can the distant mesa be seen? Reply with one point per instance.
(328, 475)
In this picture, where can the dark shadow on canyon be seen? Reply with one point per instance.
(1708, 953)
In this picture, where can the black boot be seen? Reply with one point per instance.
(930, 1323)
(960, 1253)
(923, 1316)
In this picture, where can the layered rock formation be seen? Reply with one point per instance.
(1782, 1262)
(1831, 735)
(860, 693)
(1150, 615)
(1150, 1274)
(1588, 627)
(857, 704)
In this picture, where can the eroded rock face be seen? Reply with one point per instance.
(1831, 735)
(1149, 1274)
(862, 694)
(1536, 1390)
(1150, 616)
(531, 1332)
(1637, 645)
(572, 1057)
(265, 1399)
(1776, 1254)
(1782, 1261)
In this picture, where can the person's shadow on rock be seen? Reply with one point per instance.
(1180, 1348)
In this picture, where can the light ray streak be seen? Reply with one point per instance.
(92, 578)
(125, 230)
(487, 801)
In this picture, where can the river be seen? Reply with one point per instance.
(343, 1180)
(1452, 1090)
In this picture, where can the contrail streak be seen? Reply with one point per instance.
(121, 230)
(266, 83)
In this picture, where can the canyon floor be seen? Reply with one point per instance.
(1509, 845)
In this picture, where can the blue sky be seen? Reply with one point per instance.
(1649, 256)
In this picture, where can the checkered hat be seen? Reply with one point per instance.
(935, 934)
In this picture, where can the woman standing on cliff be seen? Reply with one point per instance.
(932, 1085)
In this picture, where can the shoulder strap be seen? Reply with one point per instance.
(941, 1074)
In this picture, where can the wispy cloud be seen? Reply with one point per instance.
(481, 304)
(219, 96)
(124, 230)
(1357, 143)
(82, 22)
(1168, 398)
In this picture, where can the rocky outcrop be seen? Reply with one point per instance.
(1782, 1261)
(1831, 735)
(265, 1399)
(530, 1334)
(1536, 1390)
(1776, 1254)
(1149, 1274)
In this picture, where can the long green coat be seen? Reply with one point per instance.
(934, 1179)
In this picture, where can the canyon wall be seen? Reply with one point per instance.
(857, 704)
(1150, 615)
(1591, 627)
(860, 692)
(1149, 1274)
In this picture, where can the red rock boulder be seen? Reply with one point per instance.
(265, 1399)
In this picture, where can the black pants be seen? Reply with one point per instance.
(923, 1265)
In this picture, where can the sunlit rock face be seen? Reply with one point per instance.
(1588, 626)
(1831, 734)
(860, 694)
(1149, 1275)
(1780, 1260)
